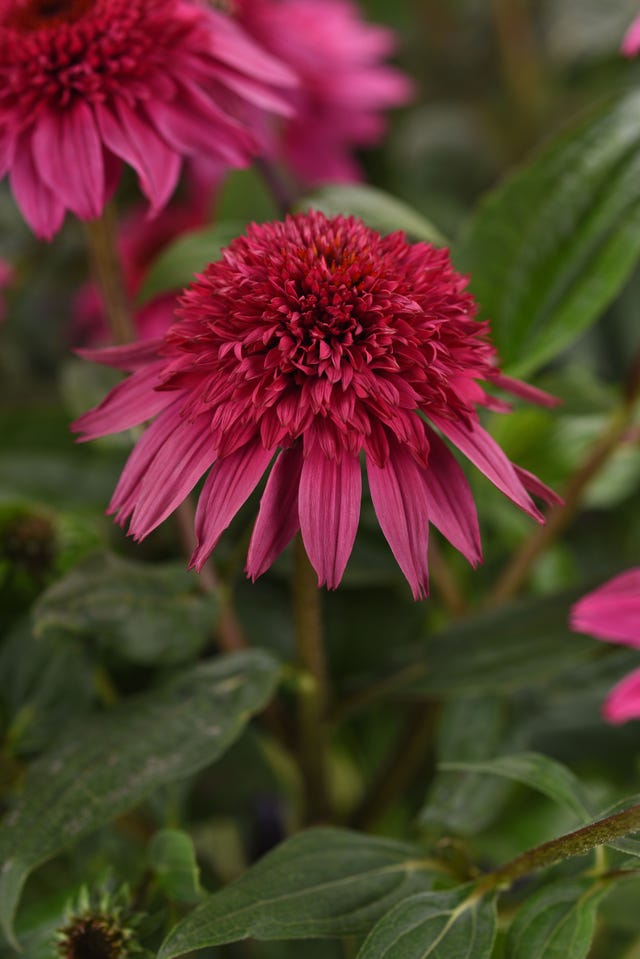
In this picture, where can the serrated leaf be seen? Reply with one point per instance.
(378, 209)
(556, 922)
(175, 267)
(550, 248)
(542, 773)
(320, 883)
(172, 858)
(144, 613)
(439, 925)
(107, 764)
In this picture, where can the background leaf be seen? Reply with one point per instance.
(551, 247)
(172, 858)
(556, 922)
(440, 925)
(324, 882)
(181, 260)
(107, 765)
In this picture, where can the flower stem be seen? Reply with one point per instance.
(283, 195)
(573, 844)
(105, 264)
(312, 688)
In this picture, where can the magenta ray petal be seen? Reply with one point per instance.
(401, 502)
(533, 394)
(176, 468)
(133, 140)
(329, 505)
(131, 402)
(68, 154)
(631, 42)
(40, 207)
(451, 505)
(623, 702)
(484, 452)
(535, 485)
(130, 357)
(611, 612)
(278, 519)
(229, 484)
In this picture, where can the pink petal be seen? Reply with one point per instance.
(535, 485)
(131, 402)
(611, 612)
(623, 702)
(232, 46)
(329, 505)
(278, 520)
(180, 462)
(451, 505)
(631, 42)
(132, 356)
(132, 139)
(484, 452)
(40, 207)
(401, 501)
(228, 486)
(68, 154)
(526, 392)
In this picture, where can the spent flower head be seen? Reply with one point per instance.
(314, 341)
(86, 84)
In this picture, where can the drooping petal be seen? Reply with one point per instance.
(535, 485)
(401, 501)
(229, 484)
(623, 702)
(611, 612)
(451, 505)
(131, 402)
(180, 462)
(40, 207)
(329, 505)
(278, 519)
(132, 139)
(68, 155)
(532, 394)
(484, 452)
(130, 357)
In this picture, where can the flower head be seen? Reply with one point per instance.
(612, 613)
(314, 341)
(85, 84)
(344, 85)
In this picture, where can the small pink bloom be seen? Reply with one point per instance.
(86, 84)
(314, 343)
(631, 42)
(344, 85)
(612, 613)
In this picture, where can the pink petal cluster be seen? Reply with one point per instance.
(612, 613)
(86, 84)
(343, 87)
(631, 42)
(311, 343)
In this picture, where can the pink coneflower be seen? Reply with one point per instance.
(631, 42)
(344, 85)
(85, 84)
(314, 341)
(612, 613)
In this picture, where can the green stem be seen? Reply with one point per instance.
(573, 844)
(106, 267)
(312, 688)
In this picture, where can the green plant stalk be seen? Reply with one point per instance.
(312, 686)
(565, 847)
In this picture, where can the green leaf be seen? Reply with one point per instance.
(173, 860)
(175, 267)
(320, 883)
(378, 209)
(556, 922)
(516, 646)
(550, 248)
(439, 925)
(106, 765)
(541, 773)
(147, 614)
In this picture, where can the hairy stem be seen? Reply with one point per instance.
(312, 690)
(107, 270)
(565, 847)
(278, 186)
